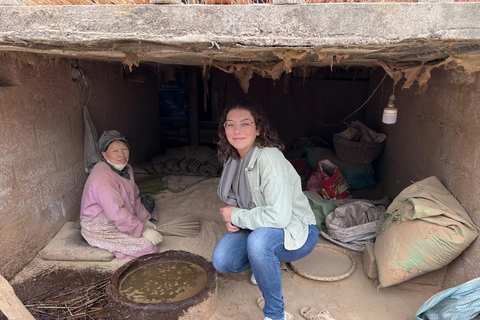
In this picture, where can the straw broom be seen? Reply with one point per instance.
(184, 226)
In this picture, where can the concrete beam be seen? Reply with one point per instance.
(200, 30)
(12, 2)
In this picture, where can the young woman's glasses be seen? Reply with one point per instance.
(242, 125)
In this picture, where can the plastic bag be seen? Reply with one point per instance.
(90, 139)
(458, 303)
(357, 175)
(354, 224)
(328, 181)
(320, 207)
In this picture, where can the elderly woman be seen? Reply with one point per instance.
(112, 216)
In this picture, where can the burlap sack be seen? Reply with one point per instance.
(425, 229)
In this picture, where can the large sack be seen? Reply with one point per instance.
(354, 224)
(425, 229)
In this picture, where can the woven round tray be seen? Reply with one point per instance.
(325, 263)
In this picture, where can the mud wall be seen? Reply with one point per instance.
(41, 143)
(299, 104)
(125, 101)
(436, 134)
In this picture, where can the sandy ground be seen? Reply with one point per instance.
(353, 298)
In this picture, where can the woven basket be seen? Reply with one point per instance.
(356, 152)
(325, 263)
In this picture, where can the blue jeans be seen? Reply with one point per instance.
(262, 250)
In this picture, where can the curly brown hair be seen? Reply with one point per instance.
(268, 137)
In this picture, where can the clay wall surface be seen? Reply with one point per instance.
(41, 144)
(41, 137)
(436, 134)
(126, 102)
(299, 106)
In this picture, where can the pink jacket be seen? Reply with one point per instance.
(108, 195)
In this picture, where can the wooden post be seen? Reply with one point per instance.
(10, 305)
(193, 106)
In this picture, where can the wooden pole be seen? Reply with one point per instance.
(10, 305)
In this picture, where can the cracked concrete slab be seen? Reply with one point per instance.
(183, 34)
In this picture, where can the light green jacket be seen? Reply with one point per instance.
(277, 193)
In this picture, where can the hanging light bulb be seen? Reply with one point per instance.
(390, 112)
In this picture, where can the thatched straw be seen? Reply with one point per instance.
(189, 160)
(81, 303)
(185, 226)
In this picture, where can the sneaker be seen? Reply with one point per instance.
(261, 304)
(287, 316)
(252, 280)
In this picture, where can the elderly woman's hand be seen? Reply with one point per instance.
(153, 236)
(150, 225)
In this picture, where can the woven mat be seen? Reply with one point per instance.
(150, 185)
(325, 263)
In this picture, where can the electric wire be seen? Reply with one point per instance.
(351, 114)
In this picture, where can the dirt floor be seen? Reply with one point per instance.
(353, 298)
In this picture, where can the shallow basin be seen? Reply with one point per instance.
(164, 301)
